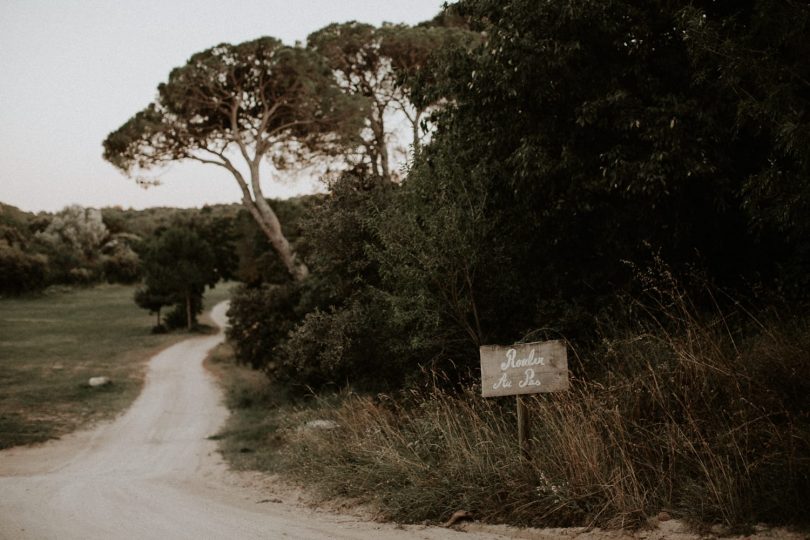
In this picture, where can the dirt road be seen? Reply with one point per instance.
(154, 474)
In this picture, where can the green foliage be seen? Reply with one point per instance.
(20, 272)
(260, 318)
(254, 260)
(380, 66)
(121, 263)
(178, 264)
(580, 139)
(582, 133)
(80, 231)
(332, 328)
(756, 56)
(689, 419)
(432, 252)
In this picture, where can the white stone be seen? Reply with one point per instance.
(99, 381)
(320, 424)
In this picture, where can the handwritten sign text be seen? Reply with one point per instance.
(525, 368)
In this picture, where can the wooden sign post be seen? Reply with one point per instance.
(524, 368)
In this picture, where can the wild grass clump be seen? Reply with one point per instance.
(704, 417)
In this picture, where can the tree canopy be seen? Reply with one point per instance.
(380, 65)
(178, 264)
(237, 107)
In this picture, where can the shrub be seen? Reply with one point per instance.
(346, 345)
(261, 317)
(686, 418)
(21, 272)
(122, 265)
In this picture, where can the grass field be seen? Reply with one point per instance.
(51, 345)
(250, 440)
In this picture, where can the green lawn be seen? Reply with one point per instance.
(51, 345)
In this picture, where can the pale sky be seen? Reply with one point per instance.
(71, 71)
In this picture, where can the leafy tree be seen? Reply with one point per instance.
(21, 272)
(589, 138)
(378, 64)
(178, 265)
(79, 229)
(120, 259)
(257, 101)
(154, 301)
(73, 240)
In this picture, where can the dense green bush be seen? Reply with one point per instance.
(21, 272)
(122, 265)
(348, 344)
(333, 328)
(260, 319)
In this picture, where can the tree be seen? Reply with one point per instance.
(21, 269)
(73, 240)
(81, 230)
(593, 133)
(178, 265)
(257, 101)
(153, 301)
(379, 65)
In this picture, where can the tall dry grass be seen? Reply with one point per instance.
(705, 417)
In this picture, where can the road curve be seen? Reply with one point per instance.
(153, 473)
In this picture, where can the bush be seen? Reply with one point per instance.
(21, 272)
(333, 328)
(260, 319)
(347, 345)
(686, 420)
(122, 265)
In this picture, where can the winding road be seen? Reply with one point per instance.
(153, 473)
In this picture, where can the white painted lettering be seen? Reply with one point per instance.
(503, 382)
(513, 362)
(529, 379)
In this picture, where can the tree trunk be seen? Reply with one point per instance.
(378, 127)
(271, 226)
(415, 127)
(188, 310)
(265, 217)
(158, 318)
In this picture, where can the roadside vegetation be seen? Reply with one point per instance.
(706, 421)
(630, 178)
(50, 346)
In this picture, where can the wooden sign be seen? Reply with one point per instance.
(525, 368)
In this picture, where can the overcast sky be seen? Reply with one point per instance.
(71, 71)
